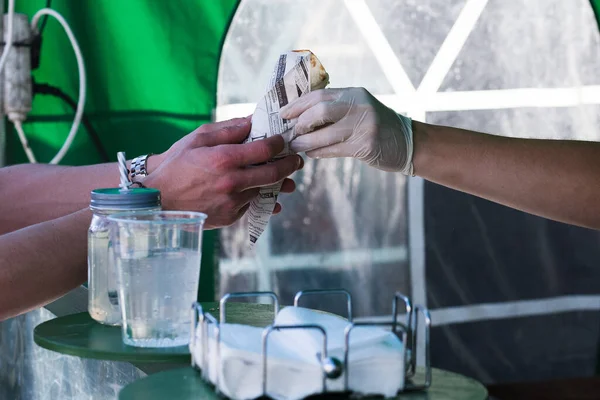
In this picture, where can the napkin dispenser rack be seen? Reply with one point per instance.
(406, 331)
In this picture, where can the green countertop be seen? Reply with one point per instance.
(79, 335)
(186, 384)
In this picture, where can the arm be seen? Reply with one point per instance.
(42, 262)
(206, 171)
(556, 179)
(33, 193)
(551, 178)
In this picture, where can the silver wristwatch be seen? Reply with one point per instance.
(138, 166)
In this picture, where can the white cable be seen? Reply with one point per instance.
(82, 81)
(24, 143)
(9, 38)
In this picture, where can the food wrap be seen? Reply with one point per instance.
(295, 74)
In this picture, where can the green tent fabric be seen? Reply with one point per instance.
(596, 7)
(152, 74)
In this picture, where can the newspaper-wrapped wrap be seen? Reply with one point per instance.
(296, 73)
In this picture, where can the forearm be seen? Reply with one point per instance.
(33, 193)
(554, 179)
(42, 262)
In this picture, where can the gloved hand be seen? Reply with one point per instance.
(350, 122)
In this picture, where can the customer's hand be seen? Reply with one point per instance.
(210, 171)
(351, 123)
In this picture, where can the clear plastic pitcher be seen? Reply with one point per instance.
(157, 257)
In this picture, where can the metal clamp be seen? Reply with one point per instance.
(427, 317)
(197, 315)
(265, 337)
(408, 325)
(407, 309)
(244, 295)
(205, 319)
(349, 330)
(320, 292)
(210, 319)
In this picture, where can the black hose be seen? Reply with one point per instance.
(44, 88)
(45, 20)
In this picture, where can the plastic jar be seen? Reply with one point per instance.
(103, 300)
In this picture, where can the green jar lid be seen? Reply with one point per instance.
(117, 199)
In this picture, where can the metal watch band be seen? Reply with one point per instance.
(138, 166)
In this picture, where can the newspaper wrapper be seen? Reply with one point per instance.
(296, 73)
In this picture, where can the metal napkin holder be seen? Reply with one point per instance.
(406, 331)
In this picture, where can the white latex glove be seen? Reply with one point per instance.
(351, 122)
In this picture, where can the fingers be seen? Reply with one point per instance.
(226, 132)
(257, 152)
(288, 186)
(224, 124)
(267, 174)
(334, 151)
(325, 112)
(303, 103)
(323, 137)
(246, 196)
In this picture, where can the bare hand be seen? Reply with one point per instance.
(210, 171)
